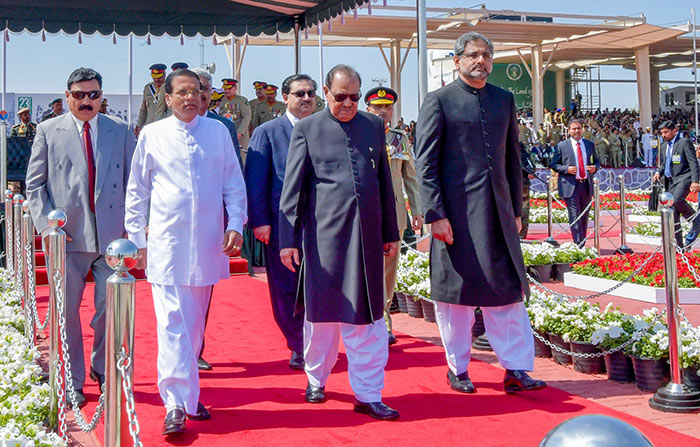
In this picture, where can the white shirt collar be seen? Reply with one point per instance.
(292, 119)
(573, 142)
(80, 124)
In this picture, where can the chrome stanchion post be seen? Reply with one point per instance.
(596, 214)
(9, 233)
(17, 201)
(675, 397)
(623, 248)
(550, 240)
(122, 256)
(27, 276)
(56, 263)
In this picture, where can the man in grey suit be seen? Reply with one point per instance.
(679, 167)
(80, 163)
(576, 161)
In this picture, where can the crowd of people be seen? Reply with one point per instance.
(619, 138)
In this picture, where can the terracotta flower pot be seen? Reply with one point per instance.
(428, 311)
(587, 365)
(651, 374)
(414, 308)
(619, 367)
(402, 302)
(541, 349)
(560, 357)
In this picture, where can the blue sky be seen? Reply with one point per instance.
(43, 67)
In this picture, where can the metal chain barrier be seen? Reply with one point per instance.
(62, 430)
(679, 310)
(598, 294)
(123, 364)
(31, 299)
(84, 426)
(415, 242)
(589, 355)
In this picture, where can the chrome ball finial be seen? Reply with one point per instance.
(57, 218)
(8, 194)
(594, 430)
(122, 255)
(18, 198)
(666, 199)
(25, 206)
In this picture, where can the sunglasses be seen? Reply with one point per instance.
(92, 94)
(302, 93)
(341, 97)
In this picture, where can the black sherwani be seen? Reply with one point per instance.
(338, 199)
(468, 159)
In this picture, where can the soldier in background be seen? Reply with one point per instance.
(236, 108)
(268, 110)
(615, 148)
(259, 87)
(151, 96)
(380, 101)
(217, 95)
(103, 106)
(55, 109)
(162, 109)
(320, 105)
(600, 143)
(25, 128)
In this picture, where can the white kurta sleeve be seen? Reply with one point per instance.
(138, 193)
(234, 190)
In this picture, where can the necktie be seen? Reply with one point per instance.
(90, 164)
(581, 166)
(669, 155)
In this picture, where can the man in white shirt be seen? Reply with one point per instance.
(647, 137)
(185, 166)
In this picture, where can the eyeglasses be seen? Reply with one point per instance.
(475, 56)
(302, 93)
(341, 97)
(79, 94)
(185, 93)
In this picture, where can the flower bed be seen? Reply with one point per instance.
(542, 253)
(24, 402)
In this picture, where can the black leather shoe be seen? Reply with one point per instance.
(203, 365)
(460, 382)
(296, 361)
(315, 395)
(202, 413)
(174, 422)
(392, 339)
(80, 401)
(378, 410)
(97, 377)
(518, 380)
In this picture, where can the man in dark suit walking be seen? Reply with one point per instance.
(576, 161)
(468, 159)
(338, 203)
(80, 163)
(679, 167)
(264, 174)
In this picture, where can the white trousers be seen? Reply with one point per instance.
(507, 328)
(180, 312)
(367, 348)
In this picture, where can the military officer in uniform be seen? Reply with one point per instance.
(236, 108)
(217, 95)
(380, 101)
(162, 109)
(320, 105)
(151, 96)
(25, 128)
(615, 148)
(269, 109)
(259, 87)
(55, 109)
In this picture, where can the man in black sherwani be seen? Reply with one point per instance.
(468, 159)
(338, 200)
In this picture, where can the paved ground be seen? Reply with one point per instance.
(622, 397)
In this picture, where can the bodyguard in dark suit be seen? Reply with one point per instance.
(576, 161)
(468, 159)
(80, 163)
(338, 203)
(264, 174)
(679, 167)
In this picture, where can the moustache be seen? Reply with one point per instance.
(85, 107)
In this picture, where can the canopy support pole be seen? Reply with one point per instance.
(320, 51)
(395, 71)
(232, 56)
(641, 58)
(297, 48)
(422, 51)
(560, 83)
(4, 67)
(537, 86)
(131, 77)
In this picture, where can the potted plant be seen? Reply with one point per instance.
(583, 320)
(538, 306)
(690, 355)
(557, 324)
(538, 258)
(650, 353)
(616, 329)
(567, 254)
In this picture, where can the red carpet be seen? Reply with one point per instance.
(256, 400)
